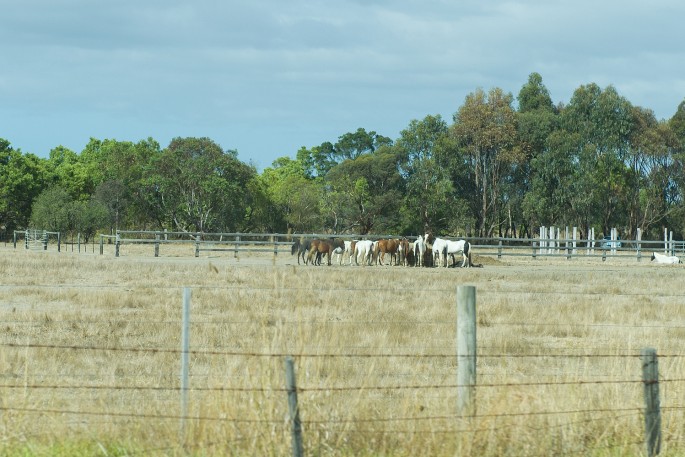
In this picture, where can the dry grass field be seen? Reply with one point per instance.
(90, 355)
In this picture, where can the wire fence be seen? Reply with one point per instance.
(399, 377)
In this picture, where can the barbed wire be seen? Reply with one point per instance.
(357, 388)
(298, 354)
(134, 288)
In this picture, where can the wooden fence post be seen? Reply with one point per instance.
(466, 350)
(102, 244)
(185, 361)
(650, 378)
(296, 425)
(499, 250)
(157, 245)
(639, 245)
(117, 242)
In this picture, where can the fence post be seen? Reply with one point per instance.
(639, 245)
(650, 378)
(237, 240)
(535, 246)
(499, 250)
(59, 241)
(78, 240)
(466, 350)
(296, 425)
(157, 245)
(102, 244)
(185, 356)
(117, 242)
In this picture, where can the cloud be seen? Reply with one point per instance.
(268, 77)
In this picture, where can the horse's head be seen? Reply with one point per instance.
(429, 238)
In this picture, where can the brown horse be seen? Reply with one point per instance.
(387, 247)
(404, 250)
(318, 250)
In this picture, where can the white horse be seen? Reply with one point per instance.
(419, 251)
(363, 252)
(344, 253)
(462, 247)
(439, 247)
(662, 258)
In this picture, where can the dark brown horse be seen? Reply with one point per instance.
(301, 247)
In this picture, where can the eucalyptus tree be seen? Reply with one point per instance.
(530, 184)
(430, 168)
(196, 186)
(366, 192)
(603, 122)
(71, 173)
(295, 194)
(118, 169)
(652, 192)
(320, 159)
(485, 129)
(22, 178)
(677, 126)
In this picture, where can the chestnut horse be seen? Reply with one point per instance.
(387, 247)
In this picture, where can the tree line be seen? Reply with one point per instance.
(502, 167)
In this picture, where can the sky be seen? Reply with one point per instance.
(267, 77)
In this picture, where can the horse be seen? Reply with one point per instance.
(363, 252)
(302, 247)
(662, 258)
(462, 247)
(319, 249)
(386, 247)
(439, 248)
(403, 251)
(347, 250)
(419, 249)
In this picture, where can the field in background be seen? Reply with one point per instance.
(90, 355)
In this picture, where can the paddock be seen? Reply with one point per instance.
(91, 352)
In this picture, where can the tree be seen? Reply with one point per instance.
(485, 129)
(71, 173)
(22, 178)
(537, 122)
(367, 192)
(295, 194)
(53, 210)
(429, 166)
(603, 122)
(195, 186)
(320, 159)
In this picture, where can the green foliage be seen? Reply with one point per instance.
(53, 210)
(495, 170)
(195, 186)
(22, 177)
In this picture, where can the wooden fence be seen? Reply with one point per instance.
(569, 246)
(551, 243)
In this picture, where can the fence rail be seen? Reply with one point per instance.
(499, 247)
